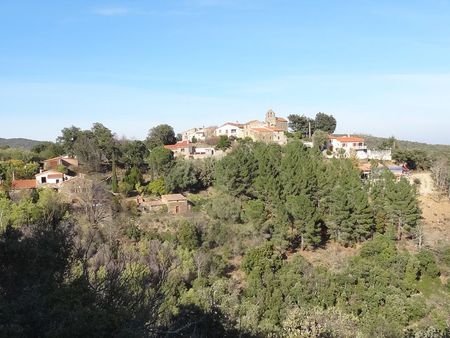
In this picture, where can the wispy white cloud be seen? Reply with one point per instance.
(112, 11)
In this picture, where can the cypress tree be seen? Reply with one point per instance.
(114, 184)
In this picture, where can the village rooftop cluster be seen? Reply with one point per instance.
(62, 174)
(195, 143)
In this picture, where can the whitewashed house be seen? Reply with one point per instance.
(51, 177)
(231, 129)
(349, 146)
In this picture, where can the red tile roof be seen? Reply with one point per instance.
(275, 129)
(63, 158)
(23, 184)
(349, 139)
(51, 176)
(281, 119)
(48, 172)
(178, 145)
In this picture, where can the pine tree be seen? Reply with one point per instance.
(350, 218)
(267, 183)
(236, 173)
(299, 171)
(402, 206)
(303, 215)
(362, 216)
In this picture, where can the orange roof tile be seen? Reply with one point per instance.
(281, 119)
(55, 176)
(23, 184)
(349, 139)
(48, 172)
(178, 145)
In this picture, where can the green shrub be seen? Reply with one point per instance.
(428, 266)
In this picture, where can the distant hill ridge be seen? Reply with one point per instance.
(434, 150)
(18, 142)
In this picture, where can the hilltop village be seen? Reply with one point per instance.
(195, 143)
(65, 175)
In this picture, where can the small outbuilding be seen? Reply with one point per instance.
(176, 203)
(51, 177)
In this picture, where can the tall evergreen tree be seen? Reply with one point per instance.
(236, 173)
(350, 219)
(299, 171)
(267, 182)
(304, 218)
(402, 206)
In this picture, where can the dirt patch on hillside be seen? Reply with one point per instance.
(435, 211)
(333, 257)
(426, 184)
(436, 220)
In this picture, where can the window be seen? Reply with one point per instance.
(233, 131)
(43, 179)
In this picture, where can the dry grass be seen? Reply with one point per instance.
(333, 257)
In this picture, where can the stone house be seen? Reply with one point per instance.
(181, 149)
(66, 161)
(176, 203)
(277, 122)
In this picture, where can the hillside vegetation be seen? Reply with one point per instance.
(433, 150)
(279, 242)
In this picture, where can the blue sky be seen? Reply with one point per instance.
(380, 67)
